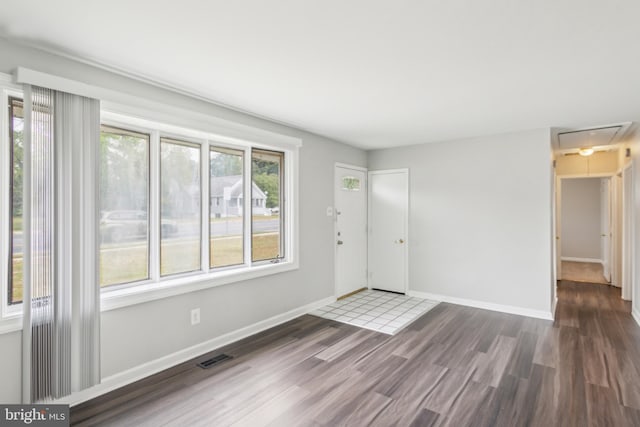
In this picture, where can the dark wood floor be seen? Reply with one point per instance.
(454, 366)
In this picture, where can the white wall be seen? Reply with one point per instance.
(480, 218)
(10, 367)
(581, 218)
(139, 334)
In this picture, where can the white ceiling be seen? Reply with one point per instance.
(373, 73)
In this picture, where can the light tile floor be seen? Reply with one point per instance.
(380, 311)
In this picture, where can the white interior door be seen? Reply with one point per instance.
(388, 229)
(351, 229)
(605, 228)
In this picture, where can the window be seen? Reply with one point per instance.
(350, 183)
(180, 213)
(266, 192)
(124, 206)
(16, 138)
(226, 224)
(156, 190)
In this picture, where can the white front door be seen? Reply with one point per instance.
(605, 227)
(351, 229)
(388, 229)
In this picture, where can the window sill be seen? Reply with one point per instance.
(118, 298)
(132, 295)
(11, 323)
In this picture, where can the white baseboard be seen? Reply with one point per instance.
(142, 371)
(636, 315)
(574, 259)
(540, 314)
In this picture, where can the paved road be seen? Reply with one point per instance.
(219, 229)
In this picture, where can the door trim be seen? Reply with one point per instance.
(348, 166)
(405, 171)
(628, 242)
(335, 219)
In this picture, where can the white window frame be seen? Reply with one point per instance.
(10, 315)
(157, 287)
(127, 112)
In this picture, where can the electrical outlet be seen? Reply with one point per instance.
(195, 316)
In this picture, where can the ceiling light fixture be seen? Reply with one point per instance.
(586, 151)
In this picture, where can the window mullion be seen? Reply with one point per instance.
(246, 206)
(204, 205)
(5, 202)
(154, 207)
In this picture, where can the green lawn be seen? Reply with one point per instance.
(227, 251)
(239, 218)
(128, 264)
(17, 279)
(123, 265)
(265, 246)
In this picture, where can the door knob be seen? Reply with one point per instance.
(400, 241)
(340, 242)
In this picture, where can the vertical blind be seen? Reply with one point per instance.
(61, 296)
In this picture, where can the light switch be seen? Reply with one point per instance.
(330, 211)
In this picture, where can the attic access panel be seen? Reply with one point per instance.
(588, 137)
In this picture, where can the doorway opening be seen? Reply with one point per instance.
(586, 230)
(595, 228)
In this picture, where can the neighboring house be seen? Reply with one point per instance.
(226, 197)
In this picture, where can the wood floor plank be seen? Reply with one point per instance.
(344, 345)
(361, 411)
(492, 366)
(547, 351)
(622, 377)
(571, 389)
(469, 405)
(522, 358)
(447, 391)
(594, 360)
(542, 387)
(272, 408)
(366, 384)
(425, 418)
(605, 410)
(511, 401)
